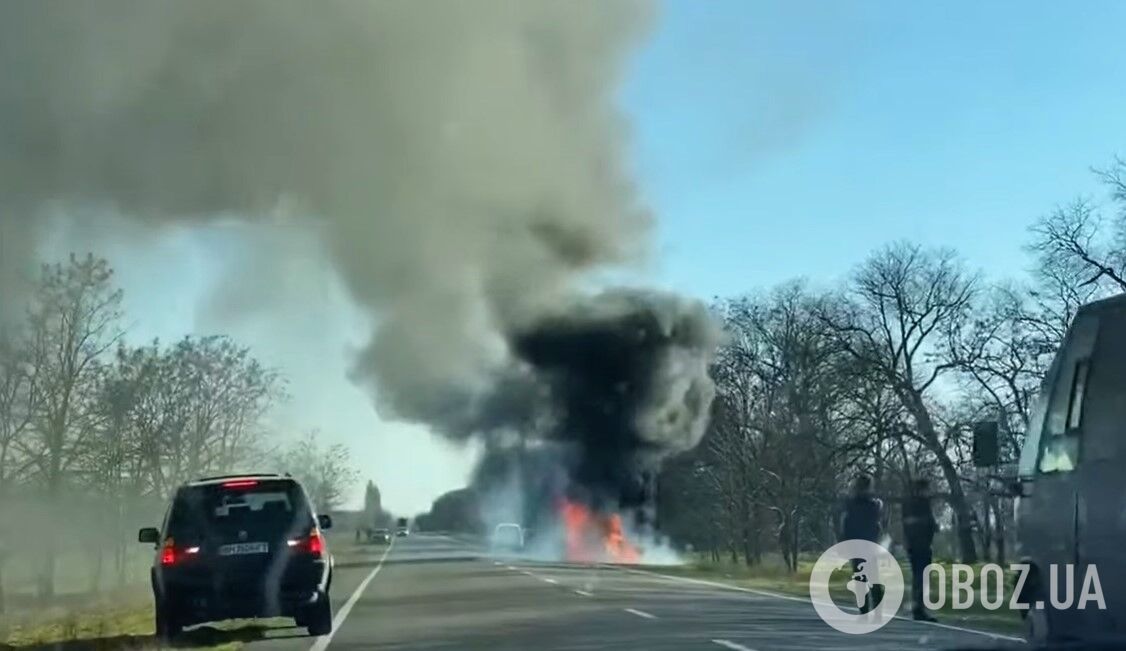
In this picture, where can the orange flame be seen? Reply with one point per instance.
(595, 538)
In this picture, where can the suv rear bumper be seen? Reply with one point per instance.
(194, 599)
(194, 605)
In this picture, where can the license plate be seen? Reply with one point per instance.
(238, 549)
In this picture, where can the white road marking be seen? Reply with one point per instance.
(731, 645)
(527, 573)
(323, 641)
(640, 613)
(509, 567)
(775, 595)
(549, 580)
(583, 593)
(713, 584)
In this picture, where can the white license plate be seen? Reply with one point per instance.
(238, 549)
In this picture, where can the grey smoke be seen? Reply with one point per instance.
(462, 163)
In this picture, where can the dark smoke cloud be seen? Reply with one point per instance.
(627, 376)
(460, 162)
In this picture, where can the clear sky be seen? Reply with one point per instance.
(790, 138)
(771, 140)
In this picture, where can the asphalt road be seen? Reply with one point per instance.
(433, 592)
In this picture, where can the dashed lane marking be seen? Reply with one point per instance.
(640, 613)
(733, 646)
(583, 593)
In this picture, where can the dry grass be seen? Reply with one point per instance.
(117, 625)
(100, 625)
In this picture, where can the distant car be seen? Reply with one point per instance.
(508, 536)
(381, 536)
(239, 547)
(402, 530)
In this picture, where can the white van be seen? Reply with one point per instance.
(508, 536)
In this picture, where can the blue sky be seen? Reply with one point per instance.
(776, 140)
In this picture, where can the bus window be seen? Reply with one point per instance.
(1060, 454)
(1078, 390)
(1060, 451)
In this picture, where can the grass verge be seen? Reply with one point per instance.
(98, 624)
(117, 626)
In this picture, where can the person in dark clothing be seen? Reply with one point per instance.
(863, 513)
(918, 534)
(862, 518)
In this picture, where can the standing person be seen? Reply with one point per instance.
(918, 533)
(863, 513)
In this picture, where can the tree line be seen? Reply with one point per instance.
(96, 433)
(886, 375)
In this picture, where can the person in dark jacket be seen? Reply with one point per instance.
(862, 518)
(863, 513)
(918, 534)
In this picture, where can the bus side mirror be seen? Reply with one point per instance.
(987, 447)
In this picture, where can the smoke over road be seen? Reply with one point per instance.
(461, 163)
(627, 378)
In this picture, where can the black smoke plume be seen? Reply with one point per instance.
(459, 164)
(626, 372)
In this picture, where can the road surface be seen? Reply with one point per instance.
(429, 592)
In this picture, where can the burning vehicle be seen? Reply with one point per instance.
(619, 383)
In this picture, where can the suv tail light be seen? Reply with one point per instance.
(169, 555)
(168, 552)
(313, 544)
(316, 543)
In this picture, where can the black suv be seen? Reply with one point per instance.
(241, 546)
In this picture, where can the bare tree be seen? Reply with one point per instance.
(228, 391)
(901, 302)
(1005, 352)
(1075, 240)
(326, 472)
(74, 321)
(95, 434)
(17, 409)
(17, 405)
(781, 427)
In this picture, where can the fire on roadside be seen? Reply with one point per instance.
(593, 537)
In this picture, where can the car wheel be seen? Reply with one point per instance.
(319, 618)
(168, 626)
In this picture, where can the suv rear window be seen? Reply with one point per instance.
(266, 505)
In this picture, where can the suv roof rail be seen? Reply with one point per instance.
(240, 475)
